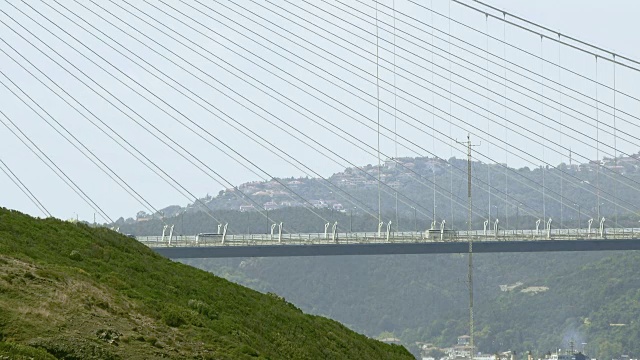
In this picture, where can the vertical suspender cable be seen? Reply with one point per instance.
(561, 156)
(597, 145)
(486, 32)
(544, 167)
(378, 97)
(395, 104)
(395, 97)
(450, 118)
(615, 148)
(506, 128)
(433, 122)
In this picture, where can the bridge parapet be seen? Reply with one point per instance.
(223, 240)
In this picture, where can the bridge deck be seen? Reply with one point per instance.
(397, 248)
(261, 245)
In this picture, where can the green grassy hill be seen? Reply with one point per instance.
(72, 292)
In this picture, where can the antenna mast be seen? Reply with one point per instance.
(470, 237)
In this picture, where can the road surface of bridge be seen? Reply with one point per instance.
(428, 242)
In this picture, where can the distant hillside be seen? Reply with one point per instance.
(73, 292)
(524, 302)
(424, 298)
(569, 188)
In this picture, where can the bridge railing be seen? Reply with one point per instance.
(380, 238)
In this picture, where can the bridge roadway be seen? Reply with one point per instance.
(434, 242)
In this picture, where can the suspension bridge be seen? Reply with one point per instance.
(107, 104)
(364, 81)
(432, 241)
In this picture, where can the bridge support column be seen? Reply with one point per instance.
(224, 233)
(171, 234)
(164, 230)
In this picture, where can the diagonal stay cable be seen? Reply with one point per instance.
(535, 97)
(25, 190)
(357, 139)
(145, 120)
(538, 56)
(244, 97)
(400, 164)
(146, 163)
(51, 165)
(273, 90)
(423, 122)
(303, 59)
(255, 203)
(488, 111)
(504, 118)
(144, 68)
(461, 120)
(238, 54)
(548, 80)
(123, 184)
(549, 30)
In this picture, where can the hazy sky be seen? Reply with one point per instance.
(241, 50)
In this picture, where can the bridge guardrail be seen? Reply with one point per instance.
(375, 238)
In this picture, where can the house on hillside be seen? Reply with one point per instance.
(270, 205)
(245, 208)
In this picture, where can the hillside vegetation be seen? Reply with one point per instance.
(73, 292)
(550, 298)
(571, 196)
(424, 298)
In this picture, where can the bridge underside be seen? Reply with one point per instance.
(397, 249)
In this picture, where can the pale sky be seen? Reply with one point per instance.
(612, 25)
